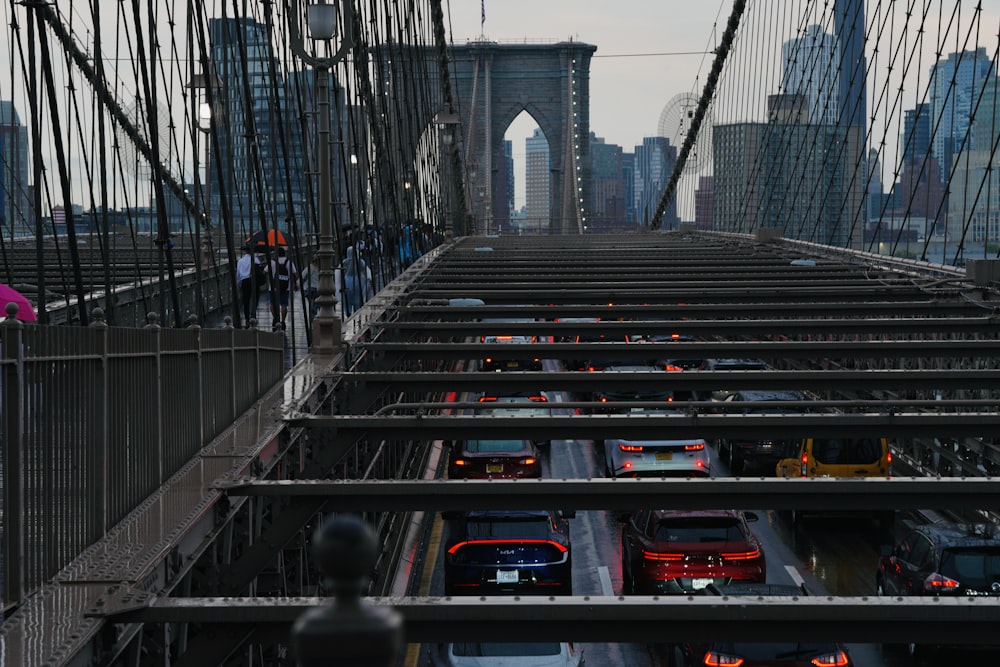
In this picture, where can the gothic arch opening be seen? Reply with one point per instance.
(529, 194)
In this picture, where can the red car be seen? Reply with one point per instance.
(674, 551)
(494, 459)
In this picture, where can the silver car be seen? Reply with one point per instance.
(508, 654)
(656, 458)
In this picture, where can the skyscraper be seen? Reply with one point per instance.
(811, 70)
(916, 139)
(955, 87)
(536, 182)
(607, 185)
(15, 212)
(654, 161)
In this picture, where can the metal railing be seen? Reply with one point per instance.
(93, 420)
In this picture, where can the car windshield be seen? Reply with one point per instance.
(521, 527)
(505, 649)
(856, 451)
(972, 566)
(699, 529)
(493, 446)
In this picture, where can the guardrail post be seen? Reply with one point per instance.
(153, 325)
(13, 456)
(97, 457)
(347, 633)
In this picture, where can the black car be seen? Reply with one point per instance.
(760, 454)
(791, 652)
(942, 559)
(516, 552)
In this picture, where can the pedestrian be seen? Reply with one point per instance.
(310, 280)
(357, 281)
(285, 279)
(249, 276)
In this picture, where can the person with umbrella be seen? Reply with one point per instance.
(286, 280)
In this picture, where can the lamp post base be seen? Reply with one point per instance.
(326, 335)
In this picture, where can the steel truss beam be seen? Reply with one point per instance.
(629, 494)
(787, 328)
(815, 350)
(591, 427)
(962, 620)
(820, 380)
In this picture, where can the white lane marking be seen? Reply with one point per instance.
(605, 576)
(794, 574)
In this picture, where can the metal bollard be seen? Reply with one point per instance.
(348, 633)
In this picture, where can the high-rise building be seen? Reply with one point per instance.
(536, 182)
(916, 139)
(15, 205)
(704, 195)
(256, 145)
(503, 205)
(811, 69)
(607, 211)
(654, 161)
(738, 176)
(955, 86)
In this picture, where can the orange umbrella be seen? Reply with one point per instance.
(271, 238)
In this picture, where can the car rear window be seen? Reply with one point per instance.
(493, 446)
(536, 527)
(511, 649)
(699, 530)
(778, 651)
(847, 451)
(972, 566)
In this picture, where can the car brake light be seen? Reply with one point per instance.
(561, 548)
(628, 465)
(741, 555)
(539, 399)
(675, 336)
(805, 464)
(657, 555)
(489, 360)
(459, 462)
(716, 659)
(505, 338)
(939, 582)
(671, 367)
(528, 461)
(630, 448)
(838, 659)
(486, 399)
(694, 448)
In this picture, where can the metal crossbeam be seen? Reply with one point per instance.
(820, 380)
(818, 350)
(628, 494)
(591, 427)
(839, 327)
(962, 620)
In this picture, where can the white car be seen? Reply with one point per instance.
(518, 404)
(508, 654)
(656, 458)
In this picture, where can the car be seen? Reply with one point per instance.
(942, 559)
(721, 393)
(611, 396)
(507, 654)
(756, 453)
(495, 363)
(788, 653)
(518, 404)
(682, 551)
(838, 457)
(517, 552)
(589, 361)
(494, 459)
(624, 457)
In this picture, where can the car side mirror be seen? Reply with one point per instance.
(751, 516)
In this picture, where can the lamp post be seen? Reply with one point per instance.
(322, 22)
(447, 122)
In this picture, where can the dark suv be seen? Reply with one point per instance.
(763, 454)
(942, 559)
(517, 552)
(788, 653)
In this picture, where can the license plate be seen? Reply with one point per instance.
(664, 456)
(507, 577)
(494, 467)
(513, 364)
(697, 583)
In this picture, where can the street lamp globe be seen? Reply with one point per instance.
(321, 18)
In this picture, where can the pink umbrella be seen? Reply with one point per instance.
(8, 294)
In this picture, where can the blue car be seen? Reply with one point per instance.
(508, 552)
